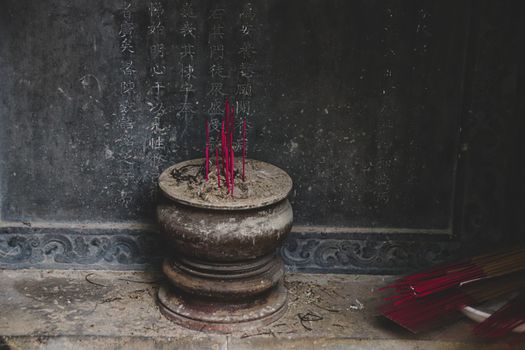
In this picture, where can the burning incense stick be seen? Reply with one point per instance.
(243, 148)
(232, 170)
(207, 150)
(227, 149)
(217, 167)
(232, 131)
(227, 145)
(225, 162)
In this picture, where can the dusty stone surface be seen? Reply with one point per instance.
(50, 309)
(264, 184)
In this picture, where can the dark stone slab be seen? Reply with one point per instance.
(389, 116)
(359, 101)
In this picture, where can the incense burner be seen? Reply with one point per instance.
(223, 269)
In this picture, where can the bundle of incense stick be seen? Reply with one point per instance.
(504, 320)
(226, 164)
(422, 314)
(424, 298)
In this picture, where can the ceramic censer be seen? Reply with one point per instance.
(223, 269)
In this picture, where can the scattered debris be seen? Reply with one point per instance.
(279, 325)
(136, 294)
(109, 300)
(139, 281)
(90, 281)
(357, 305)
(325, 308)
(267, 332)
(308, 317)
(181, 174)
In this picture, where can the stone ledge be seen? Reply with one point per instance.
(58, 309)
(223, 343)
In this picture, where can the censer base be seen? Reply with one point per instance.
(204, 314)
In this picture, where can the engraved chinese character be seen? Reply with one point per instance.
(187, 72)
(158, 69)
(244, 90)
(156, 28)
(158, 159)
(126, 4)
(127, 87)
(126, 174)
(248, 14)
(187, 29)
(216, 108)
(246, 70)
(125, 198)
(244, 106)
(217, 70)
(216, 34)
(216, 90)
(187, 11)
(214, 142)
(217, 52)
(155, 126)
(126, 29)
(155, 9)
(128, 68)
(246, 29)
(157, 50)
(247, 50)
(236, 145)
(187, 51)
(156, 143)
(187, 87)
(217, 14)
(127, 106)
(157, 108)
(214, 123)
(185, 109)
(126, 156)
(127, 14)
(126, 123)
(157, 88)
(126, 45)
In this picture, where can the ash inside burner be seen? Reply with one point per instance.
(263, 182)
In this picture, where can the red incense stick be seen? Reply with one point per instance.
(222, 144)
(225, 157)
(217, 166)
(227, 125)
(207, 150)
(233, 172)
(243, 148)
(226, 143)
(232, 131)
